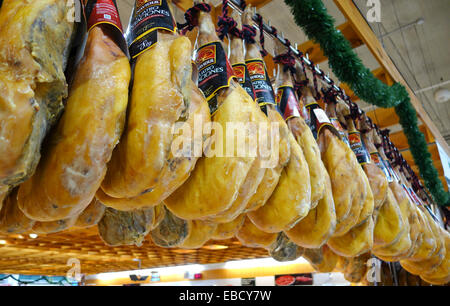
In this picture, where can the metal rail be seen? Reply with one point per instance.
(236, 5)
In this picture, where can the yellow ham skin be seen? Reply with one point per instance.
(209, 190)
(228, 230)
(272, 174)
(199, 233)
(34, 40)
(52, 227)
(256, 172)
(251, 236)
(181, 164)
(430, 265)
(91, 215)
(12, 219)
(389, 224)
(355, 242)
(74, 162)
(316, 228)
(321, 259)
(304, 137)
(161, 93)
(317, 171)
(291, 200)
(345, 174)
(441, 274)
(409, 239)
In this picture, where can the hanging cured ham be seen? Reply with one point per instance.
(440, 274)
(315, 229)
(374, 181)
(359, 224)
(377, 178)
(323, 259)
(12, 219)
(264, 96)
(186, 234)
(129, 227)
(410, 232)
(257, 171)
(289, 105)
(34, 46)
(291, 200)
(284, 249)
(52, 227)
(198, 110)
(209, 190)
(228, 230)
(149, 159)
(79, 148)
(251, 236)
(347, 183)
(391, 220)
(432, 252)
(91, 215)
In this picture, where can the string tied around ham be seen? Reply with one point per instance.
(227, 25)
(191, 17)
(299, 84)
(369, 124)
(386, 143)
(260, 22)
(377, 130)
(329, 95)
(355, 112)
(286, 59)
(397, 158)
(316, 93)
(248, 34)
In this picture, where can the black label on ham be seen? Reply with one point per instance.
(105, 12)
(243, 77)
(378, 160)
(318, 120)
(102, 11)
(214, 71)
(148, 16)
(261, 83)
(287, 102)
(342, 135)
(391, 171)
(143, 43)
(358, 147)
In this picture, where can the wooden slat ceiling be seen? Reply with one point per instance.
(48, 254)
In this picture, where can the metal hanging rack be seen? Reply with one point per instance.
(267, 28)
(236, 5)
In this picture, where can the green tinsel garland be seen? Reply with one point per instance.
(313, 18)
